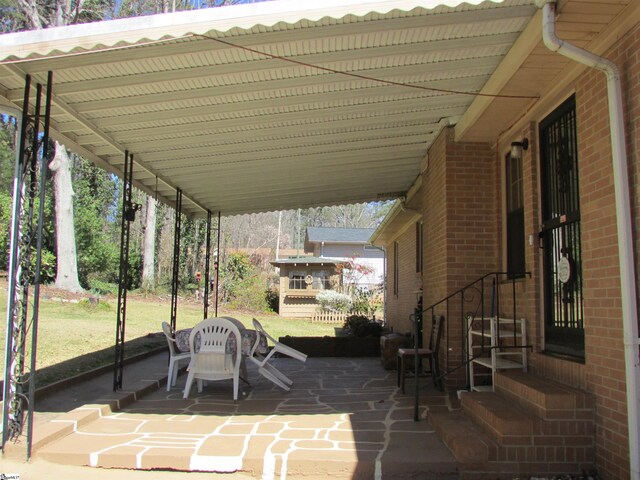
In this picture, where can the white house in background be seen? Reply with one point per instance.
(348, 244)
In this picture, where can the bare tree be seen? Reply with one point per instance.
(54, 14)
(67, 271)
(148, 259)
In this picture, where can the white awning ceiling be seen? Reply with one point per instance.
(264, 120)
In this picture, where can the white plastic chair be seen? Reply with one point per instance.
(266, 369)
(210, 359)
(236, 322)
(176, 357)
(244, 375)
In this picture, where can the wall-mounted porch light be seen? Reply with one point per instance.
(518, 147)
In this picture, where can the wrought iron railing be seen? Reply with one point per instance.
(492, 295)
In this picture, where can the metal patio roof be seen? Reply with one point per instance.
(267, 106)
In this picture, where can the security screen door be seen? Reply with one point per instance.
(560, 233)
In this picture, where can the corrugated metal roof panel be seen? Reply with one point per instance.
(344, 113)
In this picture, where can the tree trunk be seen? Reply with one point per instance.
(195, 261)
(30, 9)
(278, 237)
(149, 251)
(67, 274)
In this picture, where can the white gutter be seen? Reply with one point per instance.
(623, 209)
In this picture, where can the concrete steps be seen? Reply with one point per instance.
(529, 426)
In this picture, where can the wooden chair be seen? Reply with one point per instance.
(406, 356)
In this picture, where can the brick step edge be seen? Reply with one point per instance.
(502, 420)
(466, 441)
(545, 398)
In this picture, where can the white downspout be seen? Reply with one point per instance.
(623, 209)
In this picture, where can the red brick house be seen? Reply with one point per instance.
(478, 206)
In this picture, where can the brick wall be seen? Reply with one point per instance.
(605, 368)
(460, 230)
(400, 306)
(472, 212)
(434, 278)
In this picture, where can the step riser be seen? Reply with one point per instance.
(549, 401)
(525, 430)
(537, 431)
(514, 429)
(467, 443)
(511, 470)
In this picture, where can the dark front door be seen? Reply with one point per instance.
(560, 234)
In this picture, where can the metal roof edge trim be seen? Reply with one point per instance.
(386, 221)
(399, 217)
(35, 44)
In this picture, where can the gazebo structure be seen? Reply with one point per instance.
(280, 105)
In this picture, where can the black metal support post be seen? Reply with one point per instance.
(416, 362)
(207, 263)
(128, 215)
(176, 260)
(26, 233)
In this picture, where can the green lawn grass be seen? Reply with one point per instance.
(70, 331)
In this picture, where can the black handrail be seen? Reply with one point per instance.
(466, 359)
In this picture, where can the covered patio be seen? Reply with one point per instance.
(251, 108)
(279, 105)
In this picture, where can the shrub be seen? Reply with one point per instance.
(5, 232)
(369, 329)
(234, 273)
(363, 302)
(330, 300)
(249, 295)
(352, 322)
(273, 300)
(47, 266)
(103, 288)
(361, 326)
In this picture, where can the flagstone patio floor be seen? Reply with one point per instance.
(343, 418)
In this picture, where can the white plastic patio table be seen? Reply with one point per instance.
(248, 338)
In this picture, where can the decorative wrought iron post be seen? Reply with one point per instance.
(19, 381)
(176, 260)
(128, 215)
(207, 263)
(417, 331)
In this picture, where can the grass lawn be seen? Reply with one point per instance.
(76, 337)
